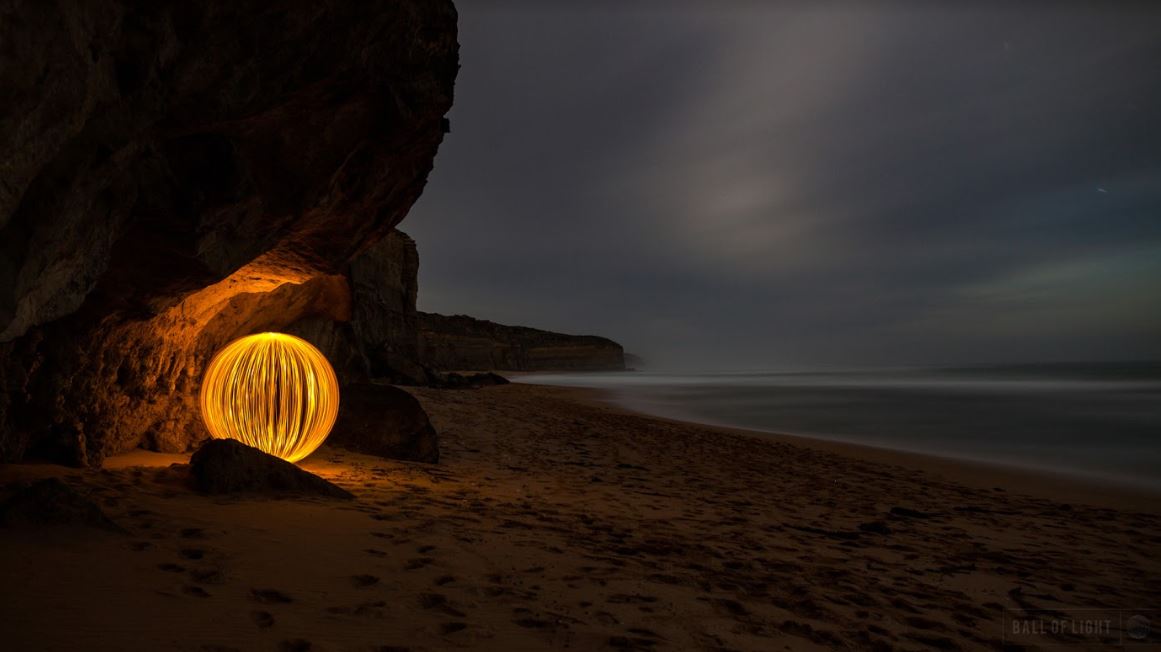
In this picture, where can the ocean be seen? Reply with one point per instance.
(1095, 419)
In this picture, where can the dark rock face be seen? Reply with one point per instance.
(176, 175)
(385, 284)
(403, 346)
(453, 380)
(338, 342)
(466, 344)
(386, 421)
(51, 502)
(223, 466)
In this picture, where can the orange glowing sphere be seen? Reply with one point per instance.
(272, 391)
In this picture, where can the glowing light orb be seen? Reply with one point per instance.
(272, 391)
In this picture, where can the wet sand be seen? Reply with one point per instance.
(556, 521)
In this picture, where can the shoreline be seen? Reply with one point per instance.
(1060, 485)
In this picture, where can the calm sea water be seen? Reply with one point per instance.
(1089, 419)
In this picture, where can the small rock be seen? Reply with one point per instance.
(223, 466)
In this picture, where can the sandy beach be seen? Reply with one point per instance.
(555, 521)
(741, 327)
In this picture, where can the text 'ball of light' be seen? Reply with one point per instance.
(272, 391)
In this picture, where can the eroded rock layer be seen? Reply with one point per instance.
(464, 343)
(385, 283)
(180, 174)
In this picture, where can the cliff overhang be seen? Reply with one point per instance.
(179, 174)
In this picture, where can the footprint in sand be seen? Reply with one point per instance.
(207, 575)
(263, 619)
(730, 607)
(366, 610)
(528, 619)
(630, 643)
(195, 591)
(647, 633)
(635, 598)
(363, 581)
(270, 596)
(440, 602)
(606, 618)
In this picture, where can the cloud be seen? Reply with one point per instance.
(802, 183)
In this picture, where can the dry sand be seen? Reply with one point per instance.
(554, 521)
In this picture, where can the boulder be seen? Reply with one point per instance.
(385, 421)
(51, 502)
(224, 466)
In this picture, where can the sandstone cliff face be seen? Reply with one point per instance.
(385, 284)
(179, 174)
(397, 343)
(463, 343)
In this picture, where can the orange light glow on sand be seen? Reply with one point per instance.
(272, 391)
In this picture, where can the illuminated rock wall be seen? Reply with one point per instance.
(178, 174)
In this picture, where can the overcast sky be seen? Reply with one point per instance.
(790, 185)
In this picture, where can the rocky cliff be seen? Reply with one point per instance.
(400, 344)
(385, 284)
(178, 174)
(460, 342)
(386, 338)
